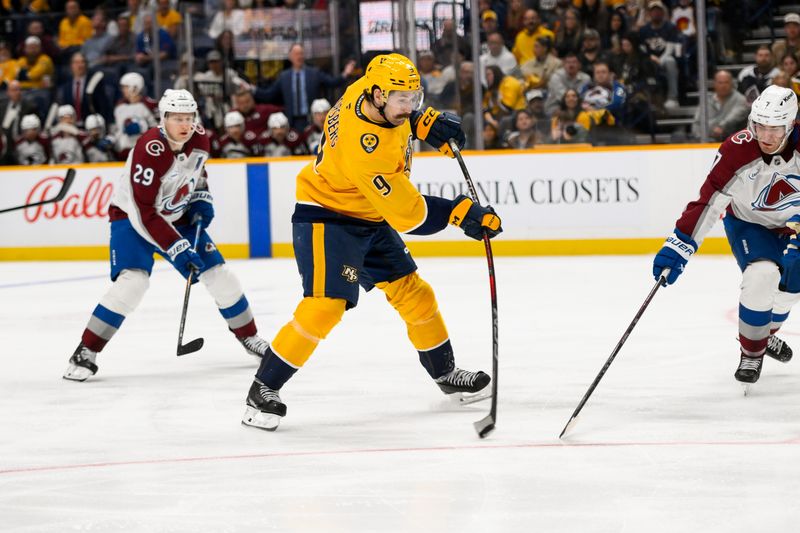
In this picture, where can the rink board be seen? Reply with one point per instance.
(582, 201)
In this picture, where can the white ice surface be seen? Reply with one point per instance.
(667, 443)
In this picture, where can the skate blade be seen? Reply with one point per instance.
(77, 373)
(746, 388)
(255, 418)
(465, 398)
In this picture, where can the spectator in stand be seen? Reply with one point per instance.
(281, 140)
(523, 42)
(755, 78)
(567, 77)
(788, 76)
(564, 128)
(514, 17)
(255, 115)
(596, 118)
(538, 71)
(230, 17)
(660, 40)
(95, 48)
(491, 137)
(523, 134)
(570, 34)
(503, 96)
(791, 43)
(215, 87)
(12, 108)
(135, 14)
(459, 94)
(35, 69)
(297, 86)
(614, 33)
(33, 146)
(133, 115)
(727, 109)
(433, 83)
(445, 46)
(98, 147)
(49, 46)
(8, 65)
(497, 54)
(144, 49)
(635, 14)
(237, 142)
(66, 140)
(313, 132)
(590, 51)
(84, 90)
(122, 49)
(683, 18)
(74, 29)
(605, 92)
(594, 14)
(168, 18)
(535, 107)
(489, 25)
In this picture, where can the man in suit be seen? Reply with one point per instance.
(84, 90)
(299, 85)
(13, 109)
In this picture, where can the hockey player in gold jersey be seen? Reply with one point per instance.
(351, 203)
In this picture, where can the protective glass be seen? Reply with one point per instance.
(405, 100)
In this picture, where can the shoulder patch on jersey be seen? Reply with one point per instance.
(155, 148)
(369, 142)
(249, 135)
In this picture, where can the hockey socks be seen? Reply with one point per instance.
(438, 361)
(103, 324)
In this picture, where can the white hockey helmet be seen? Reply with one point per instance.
(320, 105)
(134, 81)
(30, 122)
(65, 111)
(233, 118)
(95, 121)
(176, 101)
(775, 106)
(278, 120)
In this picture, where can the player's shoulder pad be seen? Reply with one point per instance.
(153, 151)
(740, 149)
(198, 141)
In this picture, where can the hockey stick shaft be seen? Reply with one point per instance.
(67, 183)
(661, 281)
(486, 424)
(195, 345)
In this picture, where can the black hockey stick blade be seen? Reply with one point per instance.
(62, 193)
(484, 426)
(190, 347)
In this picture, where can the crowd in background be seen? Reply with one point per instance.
(76, 79)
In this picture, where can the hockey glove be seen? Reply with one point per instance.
(104, 145)
(184, 258)
(790, 274)
(201, 208)
(436, 128)
(674, 255)
(474, 219)
(132, 128)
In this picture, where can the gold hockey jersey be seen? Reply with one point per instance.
(362, 168)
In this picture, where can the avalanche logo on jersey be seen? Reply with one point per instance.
(179, 200)
(782, 192)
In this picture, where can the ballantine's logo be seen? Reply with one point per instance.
(782, 192)
(92, 203)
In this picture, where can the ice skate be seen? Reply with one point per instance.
(464, 386)
(264, 407)
(254, 345)
(749, 371)
(778, 349)
(82, 364)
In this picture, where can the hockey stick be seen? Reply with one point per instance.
(195, 345)
(485, 425)
(68, 179)
(662, 281)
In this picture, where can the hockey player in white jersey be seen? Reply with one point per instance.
(133, 115)
(33, 146)
(237, 142)
(755, 182)
(66, 140)
(159, 197)
(97, 146)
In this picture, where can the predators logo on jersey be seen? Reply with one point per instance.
(369, 142)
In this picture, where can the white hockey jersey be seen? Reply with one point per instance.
(141, 113)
